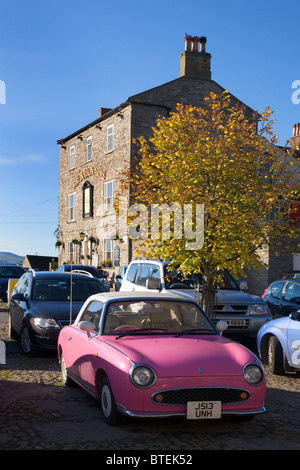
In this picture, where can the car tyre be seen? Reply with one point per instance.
(108, 404)
(67, 381)
(11, 332)
(26, 342)
(275, 356)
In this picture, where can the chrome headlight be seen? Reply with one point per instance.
(253, 374)
(143, 376)
(259, 309)
(45, 323)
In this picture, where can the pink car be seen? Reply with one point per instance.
(156, 355)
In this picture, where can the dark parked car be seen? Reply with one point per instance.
(283, 297)
(292, 275)
(66, 268)
(42, 303)
(8, 271)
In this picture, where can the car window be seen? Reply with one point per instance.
(143, 274)
(19, 286)
(11, 271)
(275, 289)
(292, 292)
(93, 313)
(155, 317)
(155, 272)
(131, 272)
(61, 290)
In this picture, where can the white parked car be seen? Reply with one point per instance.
(244, 313)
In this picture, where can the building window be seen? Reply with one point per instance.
(110, 138)
(71, 206)
(72, 157)
(87, 200)
(88, 149)
(109, 192)
(71, 251)
(108, 249)
(116, 260)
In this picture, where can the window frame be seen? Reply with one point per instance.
(105, 251)
(71, 251)
(87, 211)
(89, 148)
(71, 208)
(108, 205)
(110, 137)
(72, 157)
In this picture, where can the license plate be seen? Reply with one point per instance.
(236, 322)
(203, 410)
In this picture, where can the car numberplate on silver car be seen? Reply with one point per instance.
(203, 410)
(236, 322)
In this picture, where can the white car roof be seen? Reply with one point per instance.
(106, 296)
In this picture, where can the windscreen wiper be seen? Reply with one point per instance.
(197, 331)
(140, 331)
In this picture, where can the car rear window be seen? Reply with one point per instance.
(55, 290)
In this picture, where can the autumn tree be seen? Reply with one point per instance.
(224, 159)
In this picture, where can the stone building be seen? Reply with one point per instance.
(93, 159)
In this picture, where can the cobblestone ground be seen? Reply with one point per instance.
(38, 412)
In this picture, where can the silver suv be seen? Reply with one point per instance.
(244, 313)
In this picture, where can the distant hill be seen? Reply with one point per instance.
(7, 257)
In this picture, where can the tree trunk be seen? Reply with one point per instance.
(208, 294)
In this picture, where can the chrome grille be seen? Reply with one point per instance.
(181, 396)
(232, 309)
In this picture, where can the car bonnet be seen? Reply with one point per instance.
(184, 355)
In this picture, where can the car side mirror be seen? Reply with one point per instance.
(87, 326)
(222, 326)
(295, 316)
(19, 297)
(243, 285)
(118, 276)
(153, 284)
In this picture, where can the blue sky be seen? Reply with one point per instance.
(62, 60)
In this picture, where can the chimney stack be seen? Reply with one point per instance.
(296, 135)
(195, 64)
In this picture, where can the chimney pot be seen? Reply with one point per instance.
(202, 43)
(188, 42)
(195, 40)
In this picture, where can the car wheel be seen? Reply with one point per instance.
(108, 404)
(11, 332)
(275, 356)
(64, 373)
(26, 343)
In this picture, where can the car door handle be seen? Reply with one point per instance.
(70, 338)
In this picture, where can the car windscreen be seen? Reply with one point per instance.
(61, 290)
(175, 279)
(141, 317)
(11, 271)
